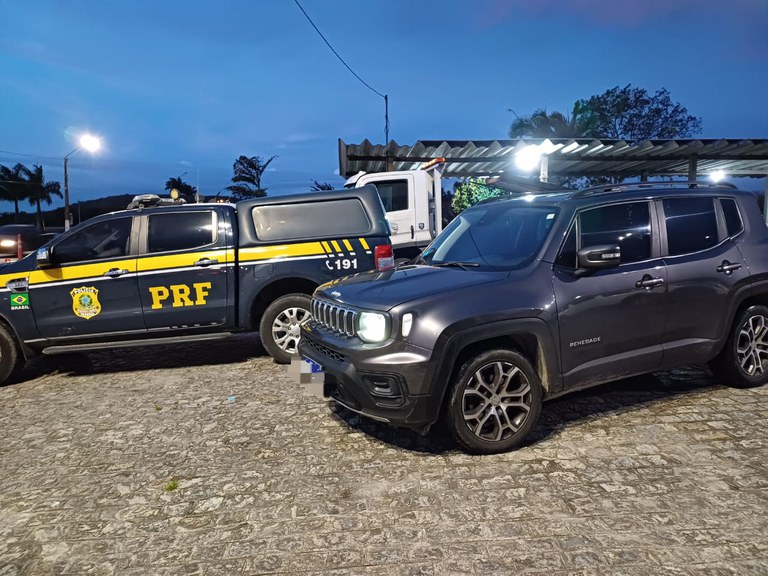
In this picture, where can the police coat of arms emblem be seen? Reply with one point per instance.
(85, 301)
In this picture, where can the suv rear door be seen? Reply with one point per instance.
(185, 264)
(611, 320)
(704, 267)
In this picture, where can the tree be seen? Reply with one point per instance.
(633, 114)
(470, 192)
(247, 178)
(317, 186)
(542, 124)
(38, 190)
(186, 191)
(12, 187)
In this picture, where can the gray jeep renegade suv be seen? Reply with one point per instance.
(524, 299)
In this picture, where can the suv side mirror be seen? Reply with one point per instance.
(598, 257)
(44, 257)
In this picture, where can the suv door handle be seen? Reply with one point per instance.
(206, 262)
(649, 282)
(115, 272)
(727, 268)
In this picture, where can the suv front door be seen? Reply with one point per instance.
(611, 320)
(90, 288)
(184, 268)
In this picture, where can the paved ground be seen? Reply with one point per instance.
(665, 474)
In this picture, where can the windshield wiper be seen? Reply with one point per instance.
(462, 265)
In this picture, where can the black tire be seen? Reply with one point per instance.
(280, 326)
(10, 355)
(478, 388)
(743, 362)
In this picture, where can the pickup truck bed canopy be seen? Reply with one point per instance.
(565, 157)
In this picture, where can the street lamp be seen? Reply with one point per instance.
(91, 144)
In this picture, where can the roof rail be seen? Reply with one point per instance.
(610, 188)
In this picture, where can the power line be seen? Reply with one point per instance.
(386, 98)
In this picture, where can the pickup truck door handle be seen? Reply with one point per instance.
(206, 262)
(648, 282)
(115, 272)
(727, 268)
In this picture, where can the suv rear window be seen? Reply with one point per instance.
(732, 217)
(691, 225)
(331, 218)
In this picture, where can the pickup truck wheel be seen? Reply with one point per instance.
(280, 326)
(495, 402)
(743, 363)
(10, 357)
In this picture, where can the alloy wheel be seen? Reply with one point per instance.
(752, 346)
(496, 401)
(286, 329)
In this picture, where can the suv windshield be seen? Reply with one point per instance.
(494, 236)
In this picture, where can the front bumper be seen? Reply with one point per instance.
(378, 382)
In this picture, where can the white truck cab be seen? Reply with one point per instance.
(412, 200)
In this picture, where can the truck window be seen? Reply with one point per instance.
(394, 194)
(107, 239)
(181, 231)
(311, 220)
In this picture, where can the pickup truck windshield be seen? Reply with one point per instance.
(492, 237)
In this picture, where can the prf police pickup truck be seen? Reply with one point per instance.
(168, 274)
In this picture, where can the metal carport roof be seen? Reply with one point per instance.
(566, 157)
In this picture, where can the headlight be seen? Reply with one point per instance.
(7, 243)
(372, 327)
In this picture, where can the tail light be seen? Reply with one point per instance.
(383, 257)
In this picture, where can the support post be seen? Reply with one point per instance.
(66, 195)
(765, 201)
(692, 168)
(644, 176)
(544, 168)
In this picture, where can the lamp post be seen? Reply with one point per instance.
(91, 144)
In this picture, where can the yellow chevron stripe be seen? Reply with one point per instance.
(336, 246)
(348, 245)
(364, 243)
(327, 247)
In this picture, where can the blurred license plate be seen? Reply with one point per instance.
(315, 368)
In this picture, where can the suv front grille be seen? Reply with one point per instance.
(325, 350)
(334, 317)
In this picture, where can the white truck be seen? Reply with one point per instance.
(413, 202)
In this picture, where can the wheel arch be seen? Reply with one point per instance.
(26, 351)
(276, 289)
(531, 337)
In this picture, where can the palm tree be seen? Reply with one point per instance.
(247, 178)
(38, 190)
(541, 124)
(12, 186)
(186, 191)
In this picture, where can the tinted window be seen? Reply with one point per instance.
(625, 225)
(394, 194)
(493, 236)
(732, 217)
(691, 224)
(109, 239)
(181, 231)
(311, 220)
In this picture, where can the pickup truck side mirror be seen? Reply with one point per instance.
(44, 257)
(598, 257)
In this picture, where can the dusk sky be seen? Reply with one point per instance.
(175, 86)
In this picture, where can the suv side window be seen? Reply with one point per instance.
(732, 217)
(628, 225)
(394, 194)
(174, 231)
(691, 224)
(108, 239)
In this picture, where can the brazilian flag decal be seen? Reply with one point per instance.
(20, 301)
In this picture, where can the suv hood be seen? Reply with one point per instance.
(385, 290)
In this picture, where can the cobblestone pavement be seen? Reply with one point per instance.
(663, 474)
